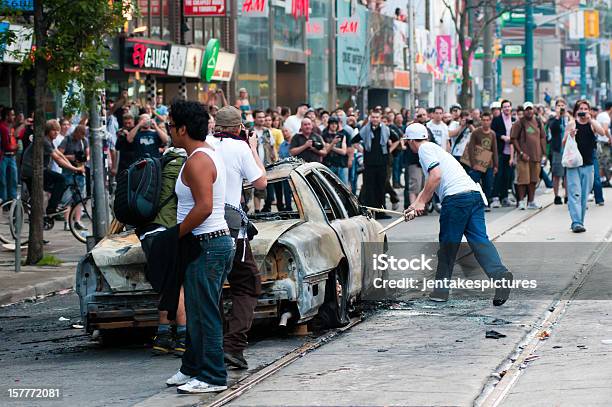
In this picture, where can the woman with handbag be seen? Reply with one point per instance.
(579, 144)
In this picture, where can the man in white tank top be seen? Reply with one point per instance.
(200, 191)
(242, 161)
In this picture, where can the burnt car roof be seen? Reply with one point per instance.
(282, 169)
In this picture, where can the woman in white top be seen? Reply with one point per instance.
(200, 190)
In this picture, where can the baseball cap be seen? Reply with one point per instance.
(496, 105)
(332, 119)
(455, 106)
(228, 116)
(242, 90)
(527, 105)
(415, 131)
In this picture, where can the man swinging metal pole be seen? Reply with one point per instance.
(462, 214)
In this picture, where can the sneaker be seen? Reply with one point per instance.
(179, 346)
(79, 226)
(195, 386)
(502, 293)
(565, 200)
(506, 203)
(178, 379)
(438, 296)
(66, 226)
(522, 205)
(495, 203)
(487, 209)
(162, 344)
(578, 229)
(395, 206)
(558, 200)
(236, 360)
(511, 200)
(533, 205)
(438, 207)
(600, 203)
(591, 198)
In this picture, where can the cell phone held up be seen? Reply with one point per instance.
(581, 114)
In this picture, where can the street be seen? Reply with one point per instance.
(405, 352)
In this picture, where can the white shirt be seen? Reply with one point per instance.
(294, 124)
(185, 202)
(603, 118)
(454, 179)
(260, 141)
(458, 147)
(56, 143)
(440, 133)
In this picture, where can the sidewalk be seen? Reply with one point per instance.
(34, 281)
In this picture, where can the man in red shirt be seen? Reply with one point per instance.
(8, 165)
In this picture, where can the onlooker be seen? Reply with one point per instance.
(294, 123)
(307, 145)
(52, 181)
(267, 154)
(161, 111)
(397, 126)
(276, 132)
(126, 150)
(283, 152)
(484, 138)
(605, 155)
(460, 133)
(336, 139)
(147, 137)
(580, 179)
(413, 175)
(8, 163)
(556, 131)
(439, 128)
(75, 148)
(502, 126)
(243, 103)
(529, 139)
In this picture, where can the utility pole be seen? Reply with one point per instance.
(498, 34)
(529, 27)
(487, 57)
(411, 53)
(99, 206)
(583, 76)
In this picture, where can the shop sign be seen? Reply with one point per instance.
(210, 59)
(178, 56)
(571, 65)
(254, 8)
(315, 28)
(207, 8)
(193, 62)
(224, 68)
(401, 79)
(352, 56)
(21, 5)
(146, 56)
(20, 47)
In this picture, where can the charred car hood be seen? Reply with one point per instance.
(269, 232)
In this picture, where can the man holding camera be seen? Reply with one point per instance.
(307, 145)
(147, 138)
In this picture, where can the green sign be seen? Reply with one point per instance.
(210, 59)
(514, 50)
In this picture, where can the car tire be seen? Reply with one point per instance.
(334, 311)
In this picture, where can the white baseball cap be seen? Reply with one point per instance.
(415, 131)
(527, 105)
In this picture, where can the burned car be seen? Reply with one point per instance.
(309, 257)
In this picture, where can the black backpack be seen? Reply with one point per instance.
(138, 190)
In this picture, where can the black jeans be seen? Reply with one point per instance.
(503, 178)
(54, 183)
(373, 188)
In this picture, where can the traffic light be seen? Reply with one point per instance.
(516, 77)
(497, 47)
(572, 84)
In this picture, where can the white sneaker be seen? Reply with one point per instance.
(522, 205)
(591, 198)
(495, 203)
(534, 205)
(178, 379)
(194, 386)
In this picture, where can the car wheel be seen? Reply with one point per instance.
(334, 311)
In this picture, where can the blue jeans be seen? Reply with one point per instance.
(397, 169)
(354, 175)
(597, 187)
(8, 178)
(341, 172)
(288, 194)
(69, 197)
(487, 179)
(579, 185)
(463, 214)
(204, 277)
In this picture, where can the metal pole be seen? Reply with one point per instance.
(99, 204)
(412, 52)
(529, 26)
(498, 93)
(18, 212)
(583, 73)
(487, 57)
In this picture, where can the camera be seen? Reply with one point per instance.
(581, 114)
(80, 157)
(316, 143)
(470, 121)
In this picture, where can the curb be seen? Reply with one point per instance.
(33, 291)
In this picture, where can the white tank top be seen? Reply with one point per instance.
(216, 220)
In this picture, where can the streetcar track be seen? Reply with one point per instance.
(495, 391)
(251, 380)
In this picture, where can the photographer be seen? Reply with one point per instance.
(460, 133)
(147, 138)
(336, 158)
(75, 148)
(556, 131)
(307, 145)
(123, 146)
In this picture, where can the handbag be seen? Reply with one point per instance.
(571, 155)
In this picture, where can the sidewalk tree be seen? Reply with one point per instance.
(67, 48)
(463, 13)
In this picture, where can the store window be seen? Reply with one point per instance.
(318, 53)
(254, 60)
(288, 32)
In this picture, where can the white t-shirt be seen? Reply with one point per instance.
(603, 118)
(294, 124)
(454, 179)
(440, 133)
(260, 142)
(56, 143)
(458, 145)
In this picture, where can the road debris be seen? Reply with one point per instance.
(63, 319)
(543, 335)
(494, 334)
(497, 321)
(582, 347)
(557, 347)
(78, 326)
